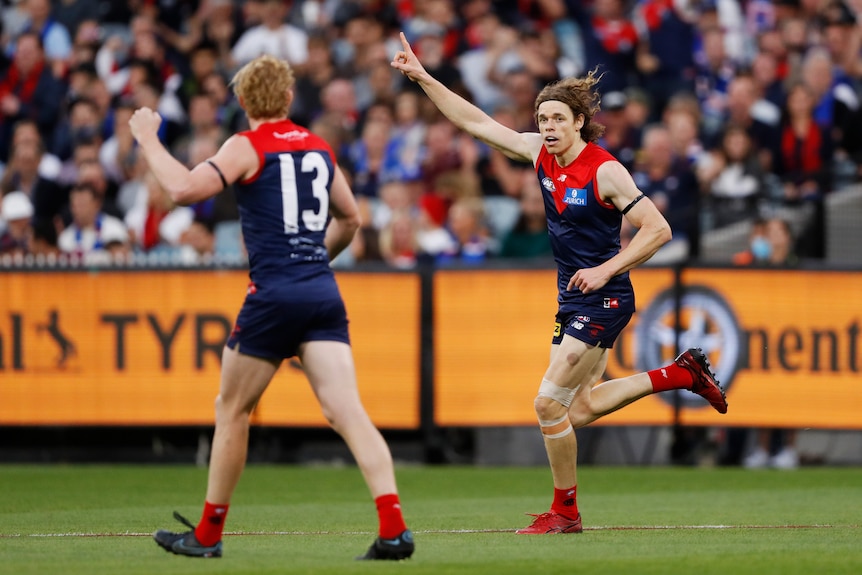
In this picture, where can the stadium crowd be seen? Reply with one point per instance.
(725, 111)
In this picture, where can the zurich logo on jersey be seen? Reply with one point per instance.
(575, 197)
(548, 184)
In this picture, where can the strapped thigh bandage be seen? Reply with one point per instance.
(562, 395)
(557, 428)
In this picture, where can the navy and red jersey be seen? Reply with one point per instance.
(584, 229)
(284, 210)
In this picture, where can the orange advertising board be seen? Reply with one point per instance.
(143, 348)
(785, 343)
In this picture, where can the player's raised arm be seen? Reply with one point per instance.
(469, 118)
(234, 160)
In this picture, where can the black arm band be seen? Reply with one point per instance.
(624, 212)
(224, 181)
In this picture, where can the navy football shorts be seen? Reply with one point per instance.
(591, 324)
(275, 329)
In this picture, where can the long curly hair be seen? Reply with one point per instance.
(580, 95)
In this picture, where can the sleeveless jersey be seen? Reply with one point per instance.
(584, 229)
(284, 210)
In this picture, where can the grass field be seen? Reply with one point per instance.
(92, 519)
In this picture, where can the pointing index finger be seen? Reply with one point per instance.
(406, 44)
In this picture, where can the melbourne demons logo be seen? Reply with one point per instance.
(291, 135)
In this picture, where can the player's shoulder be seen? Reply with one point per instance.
(598, 155)
(285, 136)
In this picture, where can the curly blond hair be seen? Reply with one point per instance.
(263, 87)
(580, 95)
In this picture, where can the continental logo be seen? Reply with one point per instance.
(734, 346)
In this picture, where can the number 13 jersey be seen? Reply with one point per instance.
(284, 207)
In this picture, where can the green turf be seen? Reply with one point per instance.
(315, 519)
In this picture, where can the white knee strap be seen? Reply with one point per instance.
(554, 430)
(562, 395)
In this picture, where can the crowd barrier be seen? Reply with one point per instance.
(433, 348)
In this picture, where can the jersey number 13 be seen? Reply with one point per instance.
(313, 166)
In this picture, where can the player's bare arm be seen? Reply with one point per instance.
(345, 216)
(467, 117)
(617, 186)
(236, 159)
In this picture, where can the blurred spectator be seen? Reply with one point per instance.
(362, 53)
(154, 222)
(761, 119)
(664, 55)
(521, 51)
(82, 123)
(837, 107)
(272, 36)
(92, 173)
(804, 165)
(197, 242)
(367, 158)
(764, 70)
(775, 448)
(84, 151)
(803, 161)
(732, 179)
(499, 175)
(117, 153)
(202, 61)
(406, 145)
(16, 212)
(772, 245)
(681, 116)
(338, 100)
(28, 90)
(529, 237)
(202, 123)
(228, 111)
(490, 56)
(445, 150)
(429, 42)
(26, 132)
(620, 138)
(671, 184)
(77, 16)
(395, 196)
(727, 15)
(91, 229)
(611, 42)
(758, 250)
(312, 78)
(55, 37)
(466, 226)
(638, 110)
(713, 74)
(521, 88)
(399, 245)
(47, 197)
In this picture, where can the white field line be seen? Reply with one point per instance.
(448, 531)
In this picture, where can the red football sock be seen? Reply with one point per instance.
(209, 530)
(670, 377)
(566, 502)
(389, 514)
